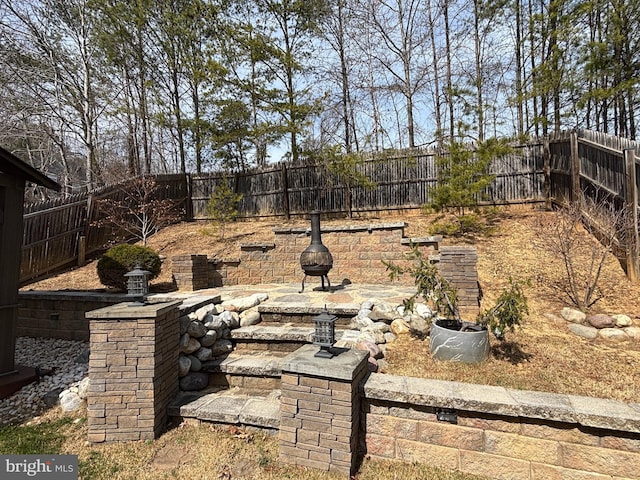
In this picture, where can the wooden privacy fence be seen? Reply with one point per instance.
(557, 169)
(399, 181)
(62, 232)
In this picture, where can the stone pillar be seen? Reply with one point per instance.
(190, 272)
(133, 370)
(320, 409)
(459, 265)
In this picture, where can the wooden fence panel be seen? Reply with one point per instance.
(402, 180)
(50, 240)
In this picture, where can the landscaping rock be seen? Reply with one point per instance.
(83, 388)
(390, 337)
(367, 304)
(622, 320)
(613, 334)
(185, 320)
(384, 307)
(601, 320)
(381, 327)
(194, 381)
(204, 311)
(230, 319)
(213, 322)
(70, 401)
(196, 329)
(572, 315)
(209, 338)
(632, 332)
(359, 322)
(221, 347)
(191, 346)
(373, 365)
(372, 336)
(250, 317)
(400, 327)
(420, 324)
(204, 354)
(184, 365)
(349, 339)
(584, 331)
(196, 365)
(378, 315)
(374, 350)
(423, 310)
(244, 303)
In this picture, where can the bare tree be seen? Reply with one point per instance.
(589, 230)
(138, 211)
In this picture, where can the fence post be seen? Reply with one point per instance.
(189, 198)
(546, 156)
(631, 203)
(576, 191)
(285, 192)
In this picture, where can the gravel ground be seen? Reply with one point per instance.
(47, 353)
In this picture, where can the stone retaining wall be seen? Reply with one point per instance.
(358, 253)
(501, 433)
(59, 314)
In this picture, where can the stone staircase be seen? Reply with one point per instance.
(244, 386)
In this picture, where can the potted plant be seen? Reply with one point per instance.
(452, 338)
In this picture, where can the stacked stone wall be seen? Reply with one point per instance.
(499, 433)
(59, 314)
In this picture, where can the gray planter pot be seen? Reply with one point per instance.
(455, 341)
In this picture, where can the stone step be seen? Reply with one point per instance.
(302, 313)
(235, 407)
(255, 364)
(278, 337)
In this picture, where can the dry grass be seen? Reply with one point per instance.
(542, 356)
(200, 451)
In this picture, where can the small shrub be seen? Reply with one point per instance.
(223, 206)
(123, 258)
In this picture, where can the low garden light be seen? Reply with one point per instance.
(137, 284)
(325, 333)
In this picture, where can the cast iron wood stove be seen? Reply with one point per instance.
(316, 259)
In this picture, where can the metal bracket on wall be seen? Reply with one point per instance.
(447, 415)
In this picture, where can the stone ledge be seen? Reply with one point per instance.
(257, 246)
(304, 308)
(342, 228)
(277, 334)
(585, 411)
(74, 295)
(285, 333)
(261, 412)
(433, 240)
(253, 365)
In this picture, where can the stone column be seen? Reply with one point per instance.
(133, 370)
(190, 272)
(320, 409)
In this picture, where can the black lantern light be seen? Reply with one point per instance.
(325, 333)
(137, 284)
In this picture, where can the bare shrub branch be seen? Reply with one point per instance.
(591, 228)
(138, 211)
